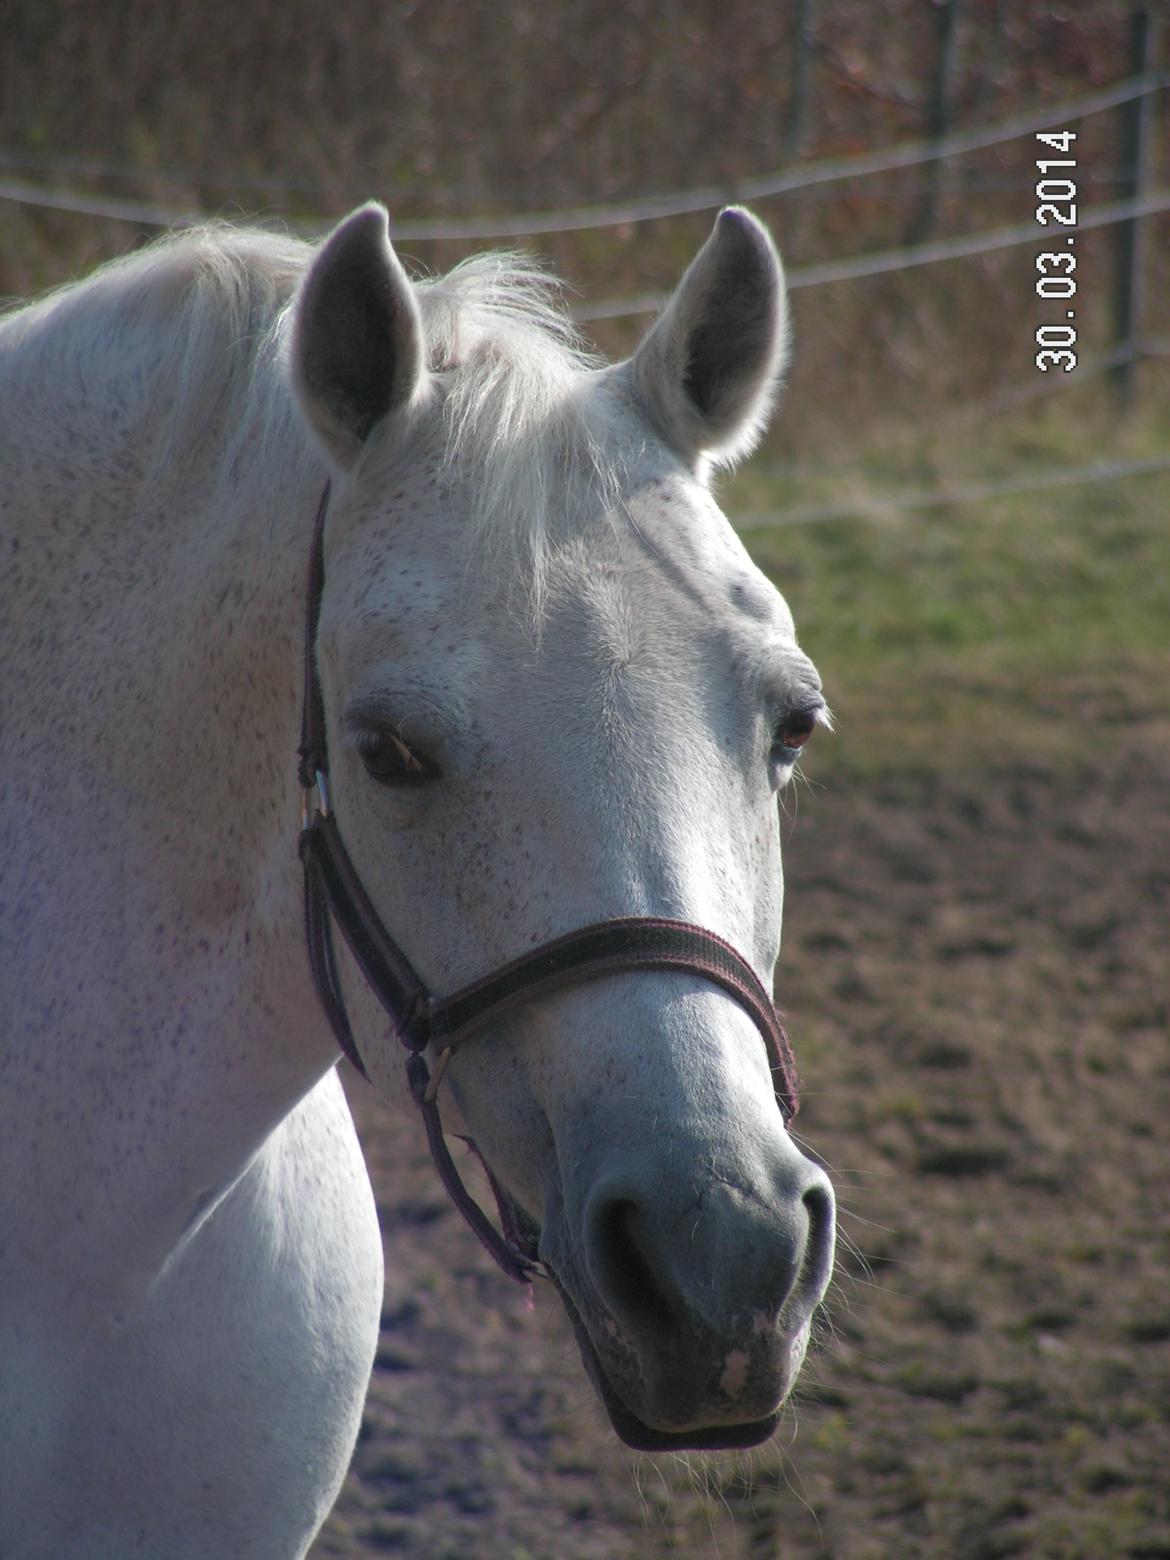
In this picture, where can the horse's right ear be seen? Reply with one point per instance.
(357, 347)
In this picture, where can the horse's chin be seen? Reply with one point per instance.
(640, 1436)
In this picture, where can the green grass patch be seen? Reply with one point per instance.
(1022, 625)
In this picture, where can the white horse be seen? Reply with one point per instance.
(555, 690)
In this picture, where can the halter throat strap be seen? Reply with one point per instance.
(334, 893)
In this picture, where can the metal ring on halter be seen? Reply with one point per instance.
(315, 801)
(442, 1062)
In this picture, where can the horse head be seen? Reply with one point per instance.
(557, 691)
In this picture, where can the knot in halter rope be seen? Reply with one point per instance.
(334, 892)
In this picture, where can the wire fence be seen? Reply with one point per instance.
(807, 177)
(139, 212)
(961, 247)
(854, 268)
(875, 505)
(646, 209)
(878, 505)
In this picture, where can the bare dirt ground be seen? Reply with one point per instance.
(975, 973)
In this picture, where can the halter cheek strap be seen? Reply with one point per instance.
(334, 892)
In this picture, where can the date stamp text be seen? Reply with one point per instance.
(1056, 267)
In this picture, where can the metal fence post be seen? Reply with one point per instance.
(796, 129)
(1136, 143)
(938, 113)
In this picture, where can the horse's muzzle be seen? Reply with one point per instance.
(693, 1319)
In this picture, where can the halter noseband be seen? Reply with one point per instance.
(334, 891)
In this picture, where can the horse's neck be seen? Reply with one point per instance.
(153, 630)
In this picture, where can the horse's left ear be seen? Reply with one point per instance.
(708, 370)
(357, 350)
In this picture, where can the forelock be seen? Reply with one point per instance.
(536, 452)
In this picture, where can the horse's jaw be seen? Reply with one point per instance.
(737, 1435)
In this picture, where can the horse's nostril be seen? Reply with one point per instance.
(623, 1270)
(820, 1207)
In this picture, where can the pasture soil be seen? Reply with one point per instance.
(975, 976)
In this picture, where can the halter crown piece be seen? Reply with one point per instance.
(334, 892)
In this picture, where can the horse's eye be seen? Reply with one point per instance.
(794, 731)
(390, 761)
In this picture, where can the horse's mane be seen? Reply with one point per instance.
(215, 301)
